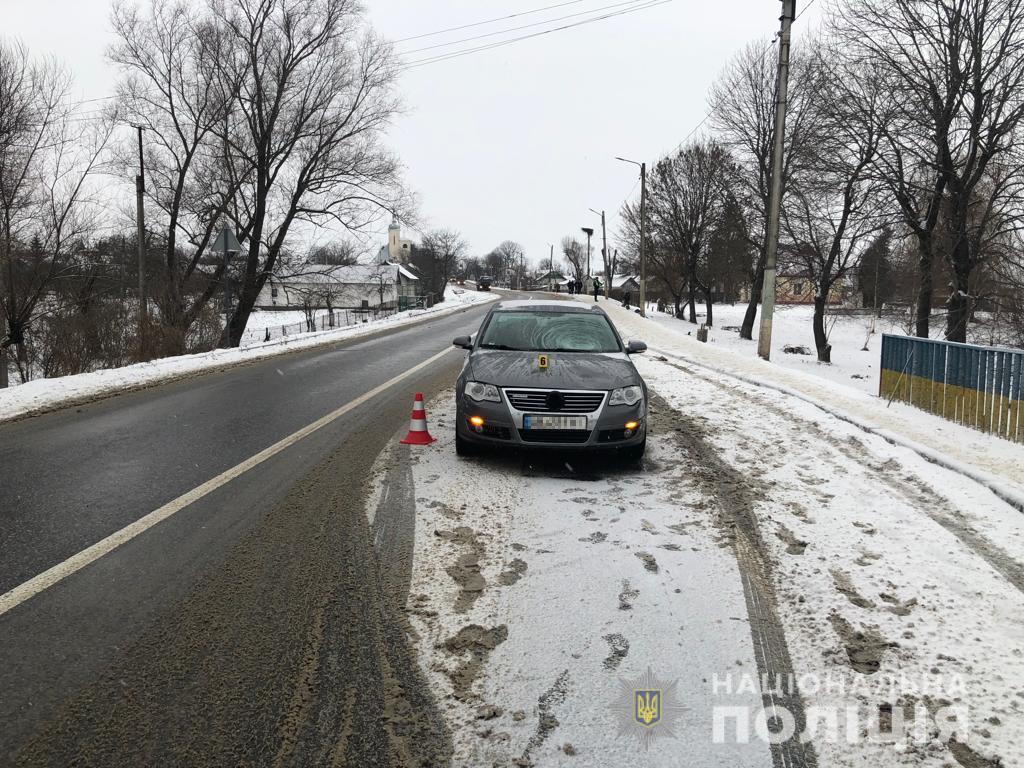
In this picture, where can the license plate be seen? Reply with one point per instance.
(554, 422)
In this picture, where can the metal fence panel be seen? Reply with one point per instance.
(977, 386)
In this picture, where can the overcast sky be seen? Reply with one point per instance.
(517, 142)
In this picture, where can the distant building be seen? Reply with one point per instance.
(358, 286)
(797, 288)
(397, 249)
(623, 284)
(549, 279)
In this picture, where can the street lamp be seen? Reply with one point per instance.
(604, 255)
(643, 223)
(589, 231)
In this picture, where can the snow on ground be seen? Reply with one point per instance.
(886, 567)
(851, 365)
(984, 456)
(537, 586)
(46, 394)
(261, 318)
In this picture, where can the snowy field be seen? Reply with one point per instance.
(852, 365)
(984, 458)
(46, 394)
(897, 588)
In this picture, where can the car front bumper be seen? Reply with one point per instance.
(503, 427)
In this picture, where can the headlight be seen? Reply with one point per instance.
(626, 395)
(479, 391)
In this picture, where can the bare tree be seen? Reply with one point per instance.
(447, 248)
(836, 205)
(338, 253)
(47, 203)
(955, 70)
(177, 85)
(513, 260)
(575, 254)
(315, 95)
(743, 113)
(686, 202)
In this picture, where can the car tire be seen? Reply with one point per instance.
(634, 453)
(463, 447)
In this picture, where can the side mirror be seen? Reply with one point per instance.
(463, 341)
(635, 347)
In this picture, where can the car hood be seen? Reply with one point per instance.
(566, 370)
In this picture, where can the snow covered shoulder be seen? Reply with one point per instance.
(42, 395)
(806, 567)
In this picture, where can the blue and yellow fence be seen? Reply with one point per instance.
(968, 384)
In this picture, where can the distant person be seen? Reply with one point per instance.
(626, 296)
(597, 288)
(558, 288)
(572, 286)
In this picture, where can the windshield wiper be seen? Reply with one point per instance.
(503, 347)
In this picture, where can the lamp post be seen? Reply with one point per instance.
(604, 255)
(588, 231)
(643, 238)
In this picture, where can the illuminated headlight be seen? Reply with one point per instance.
(626, 395)
(479, 391)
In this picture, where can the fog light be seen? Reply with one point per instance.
(627, 433)
(477, 423)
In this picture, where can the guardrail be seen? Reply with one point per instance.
(969, 384)
(338, 319)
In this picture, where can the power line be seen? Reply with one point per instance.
(465, 52)
(488, 21)
(521, 27)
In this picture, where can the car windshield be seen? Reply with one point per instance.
(549, 332)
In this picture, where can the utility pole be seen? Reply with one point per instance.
(643, 239)
(643, 233)
(604, 256)
(140, 189)
(588, 231)
(551, 264)
(764, 338)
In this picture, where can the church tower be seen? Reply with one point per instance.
(395, 239)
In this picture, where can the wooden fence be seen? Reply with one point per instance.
(969, 384)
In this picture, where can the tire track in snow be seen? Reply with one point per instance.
(922, 498)
(735, 495)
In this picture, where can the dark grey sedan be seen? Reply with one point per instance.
(550, 374)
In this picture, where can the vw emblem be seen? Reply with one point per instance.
(555, 401)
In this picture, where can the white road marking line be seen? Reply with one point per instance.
(61, 571)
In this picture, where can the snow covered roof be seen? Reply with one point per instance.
(619, 280)
(349, 274)
(321, 273)
(406, 273)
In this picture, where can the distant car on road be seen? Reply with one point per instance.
(550, 374)
(483, 283)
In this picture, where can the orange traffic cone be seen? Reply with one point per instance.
(418, 434)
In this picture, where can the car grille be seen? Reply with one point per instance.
(558, 401)
(554, 435)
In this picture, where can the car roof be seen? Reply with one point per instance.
(544, 305)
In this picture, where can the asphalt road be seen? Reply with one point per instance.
(255, 626)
